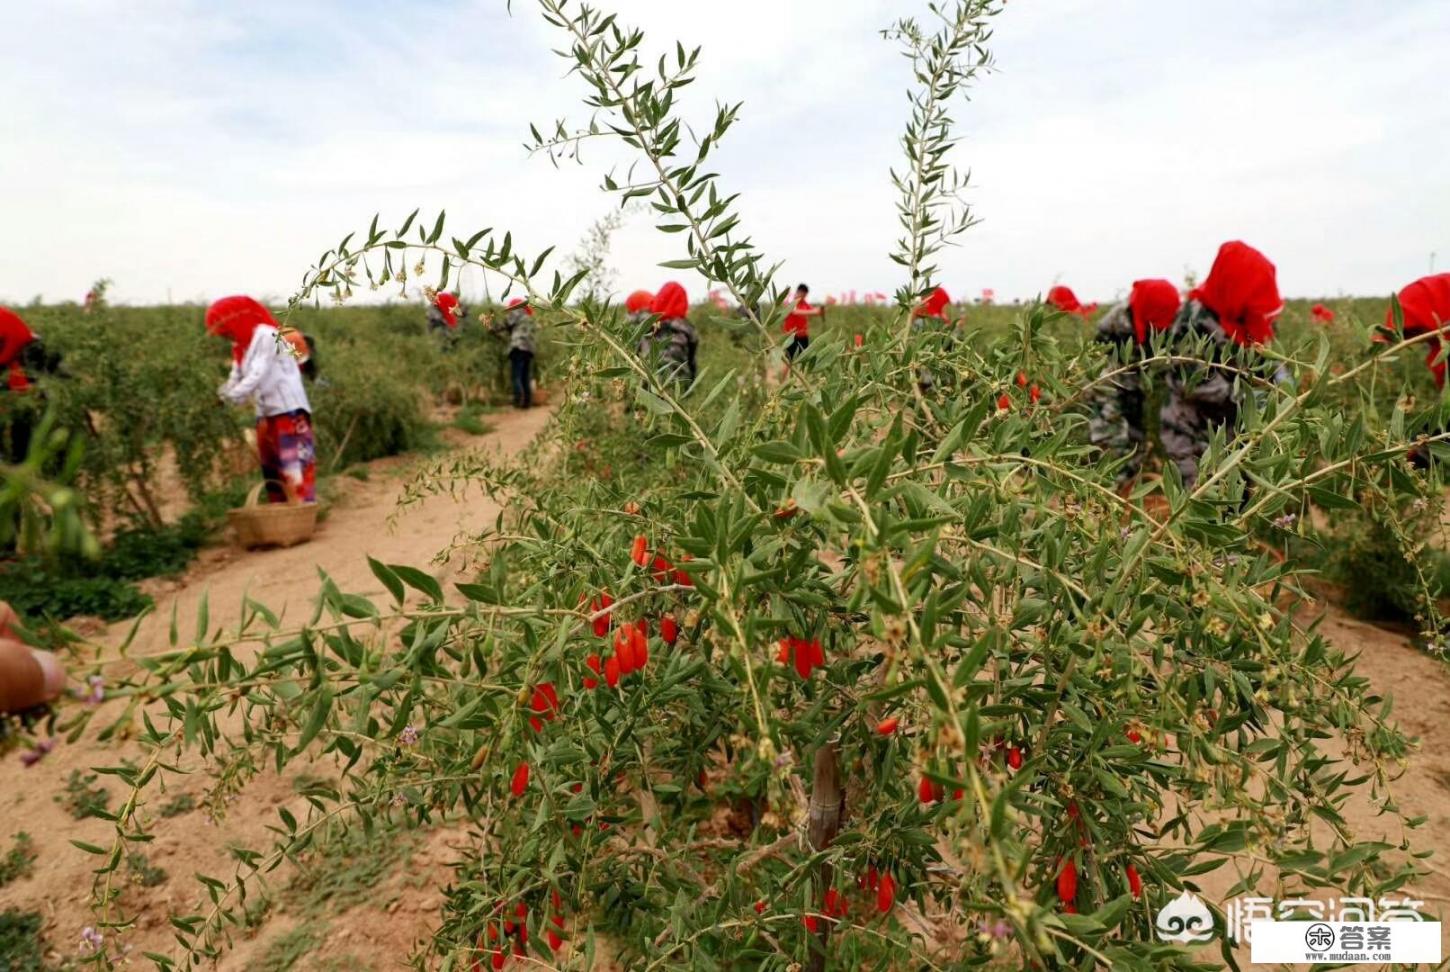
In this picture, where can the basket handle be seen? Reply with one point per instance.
(254, 495)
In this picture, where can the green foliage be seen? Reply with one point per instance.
(143, 873)
(19, 861)
(22, 949)
(36, 588)
(82, 799)
(1076, 674)
(180, 804)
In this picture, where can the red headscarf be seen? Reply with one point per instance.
(671, 302)
(237, 318)
(1154, 304)
(14, 336)
(448, 307)
(638, 302)
(517, 301)
(1066, 301)
(1426, 307)
(935, 304)
(1242, 290)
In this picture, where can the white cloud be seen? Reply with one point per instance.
(191, 148)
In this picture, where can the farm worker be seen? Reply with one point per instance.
(673, 342)
(28, 677)
(1424, 307)
(798, 322)
(1234, 310)
(1066, 301)
(1115, 422)
(937, 309)
(23, 358)
(518, 323)
(265, 370)
(935, 306)
(444, 313)
(636, 306)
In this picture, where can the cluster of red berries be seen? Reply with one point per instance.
(1034, 393)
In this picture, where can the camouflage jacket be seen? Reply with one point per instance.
(675, 341)
(1116, 326)
(1196, 331)
(520, 328)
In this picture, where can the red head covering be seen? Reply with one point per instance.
(517, 301)
(448, 307)
(1322, 314)
(14, 336)
(638, 302)
(1242, 290)
(1154, 304)
(237, 318)
(671, 302)
(1064, 299)
(1426, 307)
(935, 304)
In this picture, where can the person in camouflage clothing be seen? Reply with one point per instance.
(518, 324)
(1233, 312)
(1115, 421)
(673, 342)
(636, 306)
(934, 311)
(444, 314)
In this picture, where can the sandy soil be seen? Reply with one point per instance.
(359, 525)
(402, 907)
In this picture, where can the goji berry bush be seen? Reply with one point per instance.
(870, 666)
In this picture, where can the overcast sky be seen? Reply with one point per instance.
(192, 148)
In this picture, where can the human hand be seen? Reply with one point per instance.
(27, 677)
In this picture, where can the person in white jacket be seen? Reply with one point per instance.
(265, 371)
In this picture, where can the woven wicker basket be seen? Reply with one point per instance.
(260, 524)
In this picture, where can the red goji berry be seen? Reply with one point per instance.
(886, 893)
(860, 340)
(1021, 379)
(928, 791)
(887, 726)
(497, 960)
(1134, 736)
(520, 781)
(1067, 881)
(1035, 394)
(669, 630)
(595, 666)
(611, 671)
(662, 568)
(624, 649)
(1014, 757)
(1003, 403)
(639, 552)
(760, 907)
(600, 623)
(1135, 883)
(555, 942)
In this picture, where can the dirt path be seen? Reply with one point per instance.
(400, 907)
(367, 917)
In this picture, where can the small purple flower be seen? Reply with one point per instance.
(91, 941)
(38, 752)
(399, 800)
(409, 736)
(1286, 521)
(999, 929)
(97, 694)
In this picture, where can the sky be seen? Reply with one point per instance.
(192, 148)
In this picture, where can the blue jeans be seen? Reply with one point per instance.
(520, 364)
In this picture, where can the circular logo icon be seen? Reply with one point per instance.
(1319, 937)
